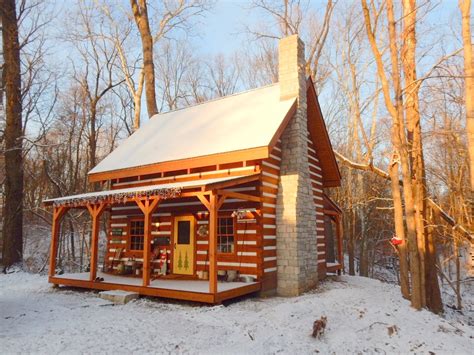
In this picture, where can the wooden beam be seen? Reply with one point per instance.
(240, 195)
(220, 202)
(233, 182)
(95, 211)
(331, 213)
(213, 243)
(204, 201)
(58, 213)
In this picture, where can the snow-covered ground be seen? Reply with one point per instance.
(36, 318)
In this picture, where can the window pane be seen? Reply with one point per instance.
(136, 235)
(184, 232)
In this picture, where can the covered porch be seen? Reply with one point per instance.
(211, 193)
(334, 236)
(189, 290)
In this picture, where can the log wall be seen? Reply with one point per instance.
(247, 256)
(317, 186)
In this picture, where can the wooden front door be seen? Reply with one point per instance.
(183, 240)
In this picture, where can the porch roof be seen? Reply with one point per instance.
(163, 191)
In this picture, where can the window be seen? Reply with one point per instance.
(137, 235)
(184, 232)
(225, 235)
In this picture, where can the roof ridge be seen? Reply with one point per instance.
(216, 99)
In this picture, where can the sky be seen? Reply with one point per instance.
(224, 25)
(222, 31)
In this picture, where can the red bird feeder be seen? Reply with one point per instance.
(396, 241)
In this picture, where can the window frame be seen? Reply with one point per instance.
(233, 235)
(130, 235)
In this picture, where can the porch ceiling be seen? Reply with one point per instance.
(163, 191)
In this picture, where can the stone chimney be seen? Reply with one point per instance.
(297, 267)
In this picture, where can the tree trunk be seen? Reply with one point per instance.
(137, 101)
(399, 141)
(430, 293)
(465, 6)
(458, 274)
(140, 13)
(351, 244)
(13, 205)
(363, 257)
(399, 229)
(93, 135)
(72, 241)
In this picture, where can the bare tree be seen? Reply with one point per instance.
(401, 152)
(95, 71)
(431, 296)
(295, 17)
(13, 205)
(140, 13)
(174, 15)
(223, 76)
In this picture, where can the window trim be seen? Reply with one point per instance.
(234, 235)
(130, 235)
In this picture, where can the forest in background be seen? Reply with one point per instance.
(392, 81)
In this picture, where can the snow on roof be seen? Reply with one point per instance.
(164, 190)
(241, 121)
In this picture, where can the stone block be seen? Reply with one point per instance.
(118, 296)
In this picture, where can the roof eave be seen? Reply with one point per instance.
(189, 163)
(333, 181)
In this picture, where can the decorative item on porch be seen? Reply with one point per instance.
(202, 275)
(203, 230)
(247, 278)
(116, 232)
(232, 275)
(118, 196)
(221, 275)
(244, 215)
(163, 261)
(130, 265)
(121, 268)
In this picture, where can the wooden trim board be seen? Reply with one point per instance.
(221, 158)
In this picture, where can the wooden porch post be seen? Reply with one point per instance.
(95, 211)
(212, 206)
(215, 203)
(213, 244)
(147, 206)
(58, 213)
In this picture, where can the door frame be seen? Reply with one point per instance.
(192, 242)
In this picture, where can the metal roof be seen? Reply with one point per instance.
(233, 123)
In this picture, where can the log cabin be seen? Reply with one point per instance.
(218, 200)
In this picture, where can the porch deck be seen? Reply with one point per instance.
(189, 290)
